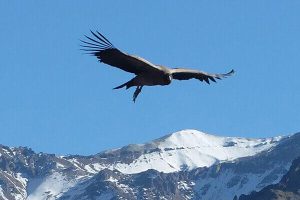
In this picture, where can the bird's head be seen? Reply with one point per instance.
(168, 78)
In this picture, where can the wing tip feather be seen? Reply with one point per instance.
(96, 43)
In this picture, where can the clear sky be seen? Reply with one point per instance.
(55, 99)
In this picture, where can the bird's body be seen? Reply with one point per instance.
(147, 73)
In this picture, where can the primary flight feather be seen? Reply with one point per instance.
(147, 74)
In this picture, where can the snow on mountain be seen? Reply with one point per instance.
(52, 186)
(184, 165)
(234, 183)
(287, 188)
(188, 149)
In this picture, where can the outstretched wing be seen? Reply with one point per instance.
(105, 51)
(185, 74)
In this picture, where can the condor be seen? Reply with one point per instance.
(147, 73)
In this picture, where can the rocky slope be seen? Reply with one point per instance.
(287, 189)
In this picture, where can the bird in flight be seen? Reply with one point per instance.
(146, 73)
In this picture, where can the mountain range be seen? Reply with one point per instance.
(188, 164)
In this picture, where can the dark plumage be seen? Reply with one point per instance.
(147, 74)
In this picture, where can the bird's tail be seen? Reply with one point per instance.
(127, 84)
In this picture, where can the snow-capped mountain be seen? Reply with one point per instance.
(188, 149)
(184, 165)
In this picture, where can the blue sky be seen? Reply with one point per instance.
(55, 99)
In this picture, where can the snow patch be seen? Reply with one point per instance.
(21, 179)
(182, 185)
(2, 194)
(50, 188)
(90, 169)
(59, 165)
(112, 179)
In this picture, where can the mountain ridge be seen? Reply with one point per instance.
(25, 173)
(188, 144)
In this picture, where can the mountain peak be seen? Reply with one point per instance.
(188, 149)
(186, 138)
(193, 138)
